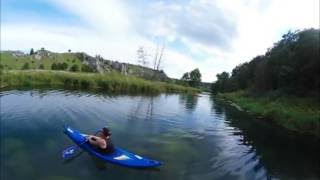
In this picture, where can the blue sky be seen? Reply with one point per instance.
(211, 35)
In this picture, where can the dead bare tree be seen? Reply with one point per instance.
(142, 56)
(158, 57)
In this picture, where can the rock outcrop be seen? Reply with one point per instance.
(101, 65)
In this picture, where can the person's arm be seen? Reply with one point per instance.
(97, 141)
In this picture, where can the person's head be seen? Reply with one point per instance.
(106, 131)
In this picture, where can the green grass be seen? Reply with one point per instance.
(294, 113)
(111, 82)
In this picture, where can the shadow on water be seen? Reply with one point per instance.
(283, 153)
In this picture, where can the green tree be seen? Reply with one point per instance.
(186, 77)
(195, 78)
(291, 66)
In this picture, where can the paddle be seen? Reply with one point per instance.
(73, 151)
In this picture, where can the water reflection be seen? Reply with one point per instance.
(197, 137)
(189, 101)
(283, 153)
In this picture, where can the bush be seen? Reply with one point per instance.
(63, 66)
(41, 66)
(86, 68)
(54, 66)
(74, 68)
(25, 66)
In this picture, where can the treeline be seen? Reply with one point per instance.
(291, 66)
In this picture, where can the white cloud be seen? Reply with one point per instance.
(224, 33)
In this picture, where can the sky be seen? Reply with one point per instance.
(212, 35)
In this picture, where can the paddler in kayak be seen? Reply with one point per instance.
(102, 140)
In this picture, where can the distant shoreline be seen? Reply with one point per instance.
(110, 82)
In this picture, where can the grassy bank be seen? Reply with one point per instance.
(298, 114)
(111, 82)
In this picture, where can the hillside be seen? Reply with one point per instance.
(78, 61)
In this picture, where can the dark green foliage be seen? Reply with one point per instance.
(41, 66)
(292, 66)
(193, 78)
(74, 68)
(54, 66)
(63, 66)
(59, 66)
(31, 51)
(186, 77)
(223, 83)
(86, 68)
(25, 66)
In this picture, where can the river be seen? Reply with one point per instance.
(197, 137)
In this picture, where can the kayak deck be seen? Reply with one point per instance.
(119, 156)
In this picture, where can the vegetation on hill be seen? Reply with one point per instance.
(56, 61)
(12, 62)
(283, 85)
(75, 61)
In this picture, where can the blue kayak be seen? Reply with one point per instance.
(119, 156)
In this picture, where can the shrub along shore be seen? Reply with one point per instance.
(294, 113)
(111, 82)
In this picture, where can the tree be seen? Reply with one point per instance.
(69, 50)
(186, 77)
(25, 66)
(291, 66)
(158, 57)
(74, 68)
(142, 56)
(31, 51)
(193, 78)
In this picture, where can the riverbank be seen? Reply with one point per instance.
(111, 82)
(293, 113)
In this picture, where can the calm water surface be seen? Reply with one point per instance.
(197, 137)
